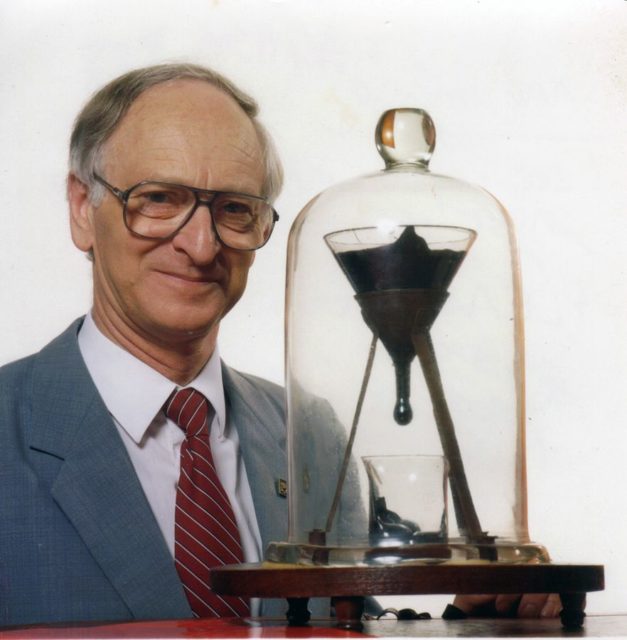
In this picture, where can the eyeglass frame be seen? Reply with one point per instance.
(123, 197)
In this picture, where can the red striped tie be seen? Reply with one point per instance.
(206, 533)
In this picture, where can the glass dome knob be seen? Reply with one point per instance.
(405, 137)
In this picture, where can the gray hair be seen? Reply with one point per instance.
(101, 115)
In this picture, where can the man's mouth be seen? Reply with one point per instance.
(193, 278)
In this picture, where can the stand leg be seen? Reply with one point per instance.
(348, 610)
(297, 613)
(351, 439)
(462, 499)
(572, 614)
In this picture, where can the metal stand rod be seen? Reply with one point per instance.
(351, 439)
(465, 512)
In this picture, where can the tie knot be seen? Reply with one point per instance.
(190, 410)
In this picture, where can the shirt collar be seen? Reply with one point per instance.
(133, 392)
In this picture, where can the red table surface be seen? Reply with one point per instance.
(205, 628)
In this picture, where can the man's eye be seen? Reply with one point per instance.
(236, 208)
(160, 197)
(157, 197)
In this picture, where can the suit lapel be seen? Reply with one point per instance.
(96, 485)
(260, 424)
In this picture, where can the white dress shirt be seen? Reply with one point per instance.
(134, 394)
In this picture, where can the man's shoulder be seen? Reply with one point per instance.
(15, 393)
(255, 382)
(16, 370)
(15, 376)
(25, 387)
(254, 395)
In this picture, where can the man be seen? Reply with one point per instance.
(90, 462)
(101, 482)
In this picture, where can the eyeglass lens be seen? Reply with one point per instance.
(157, 210)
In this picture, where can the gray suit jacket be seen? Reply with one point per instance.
(78, 540)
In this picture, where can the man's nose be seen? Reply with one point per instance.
(198, 237)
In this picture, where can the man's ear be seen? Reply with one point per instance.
(81, 213)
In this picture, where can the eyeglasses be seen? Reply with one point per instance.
(159, 210)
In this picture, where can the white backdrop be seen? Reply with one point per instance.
(529, 101)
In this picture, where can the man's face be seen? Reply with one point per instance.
(185, 132)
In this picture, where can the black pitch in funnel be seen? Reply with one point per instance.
(401, 280)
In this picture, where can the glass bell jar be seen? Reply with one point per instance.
(405, 369)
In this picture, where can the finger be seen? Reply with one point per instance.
(552, 607)
(532, 605)
(467, 603)
(506, 604)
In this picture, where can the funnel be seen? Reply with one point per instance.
(400, 275)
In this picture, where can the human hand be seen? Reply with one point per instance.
(529, 605)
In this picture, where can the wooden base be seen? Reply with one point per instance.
(348, 585)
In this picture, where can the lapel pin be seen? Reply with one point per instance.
(281, 488)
